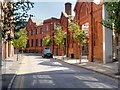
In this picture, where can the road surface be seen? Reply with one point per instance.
(38, 72)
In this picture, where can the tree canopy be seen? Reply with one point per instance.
(21, 41)
(59, 36)
(113, 16)
(20, 9)
(47, 41)
(78, 35)
(14, 16)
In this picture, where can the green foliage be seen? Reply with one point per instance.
(47, 41)
(15, 15)
(73, 26)
(107, 23)
(77, 34)
(80, 37)
(21, 41)
(59, 36)
(113, 9)
(20, 13)
(7, 19)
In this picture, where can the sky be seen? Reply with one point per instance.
(47, 9)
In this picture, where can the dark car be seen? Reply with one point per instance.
(47, 53)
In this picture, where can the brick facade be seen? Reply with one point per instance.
(91, 13)
(36, 33)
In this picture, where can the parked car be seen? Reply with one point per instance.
(47, 53)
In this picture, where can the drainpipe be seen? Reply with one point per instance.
(67, 40)
(92, 41)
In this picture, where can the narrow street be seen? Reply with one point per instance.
(38, 72)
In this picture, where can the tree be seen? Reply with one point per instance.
(21, 41)
(113, 21)
(79, 37)
(46, 41)
(72, 27)
(20, 13)
(59, 37)
(14, 16)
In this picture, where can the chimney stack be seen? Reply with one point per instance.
(68, 8)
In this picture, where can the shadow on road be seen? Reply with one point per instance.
(61, 79)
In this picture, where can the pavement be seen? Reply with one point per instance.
(109, 69)
(9, 69)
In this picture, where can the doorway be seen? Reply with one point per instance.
(85, 28)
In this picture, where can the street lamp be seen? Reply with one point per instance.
(52, 28)
(53, 42)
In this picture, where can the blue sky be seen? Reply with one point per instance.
(45, 10)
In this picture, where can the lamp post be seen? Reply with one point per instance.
(52, 30)
(53, 42)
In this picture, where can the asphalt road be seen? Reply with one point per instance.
(38, 72)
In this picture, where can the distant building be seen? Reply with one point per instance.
(33, 30)
(48, 28)
(37, 30)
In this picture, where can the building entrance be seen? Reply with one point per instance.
(85, 49)
(85, 28)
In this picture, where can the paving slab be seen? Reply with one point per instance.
(8, 70)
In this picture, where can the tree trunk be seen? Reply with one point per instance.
(63, 53)
(17, 53)
(80, 54)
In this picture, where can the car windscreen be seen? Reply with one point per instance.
(47, 51)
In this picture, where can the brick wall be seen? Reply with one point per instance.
(91, 13)
(47, 28)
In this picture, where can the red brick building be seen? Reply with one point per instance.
(49, 29)
(99, 47)
(33, 34)
(88, 13)
(37, 31)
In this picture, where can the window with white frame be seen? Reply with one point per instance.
(42, 31)
(47, 28)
